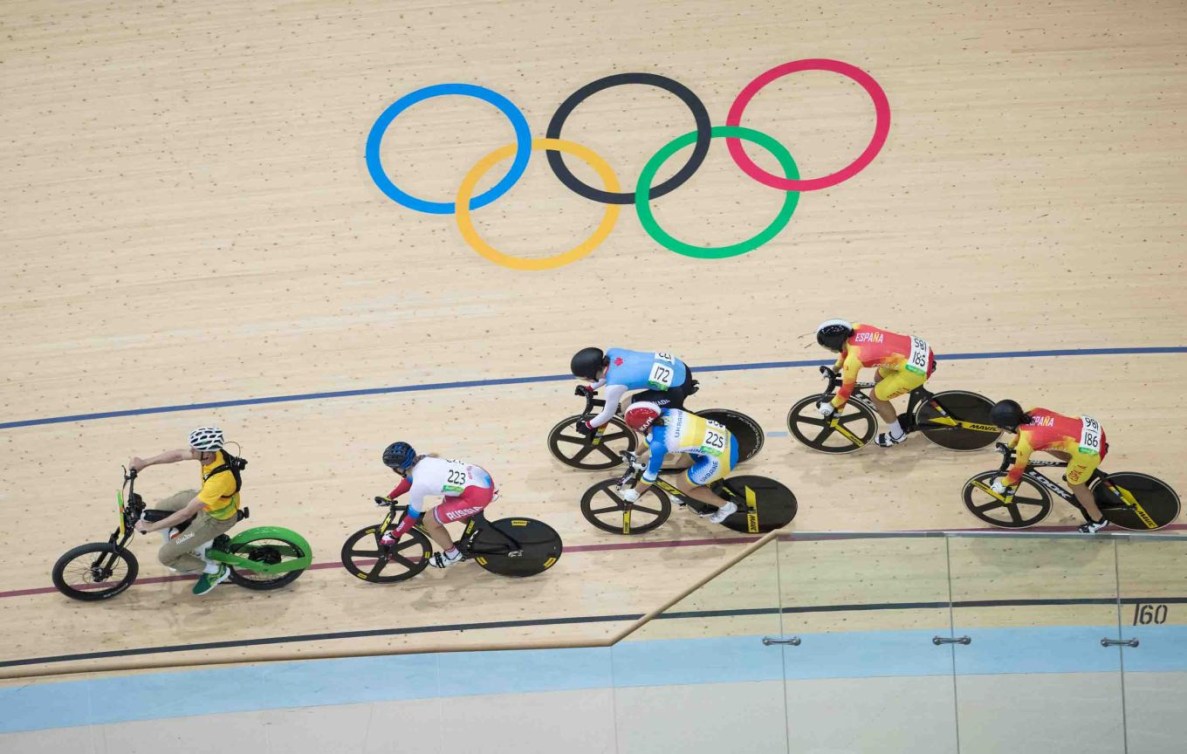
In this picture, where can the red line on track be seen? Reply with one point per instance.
(642, 545)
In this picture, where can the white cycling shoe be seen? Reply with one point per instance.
(722, 513)
(886, 440)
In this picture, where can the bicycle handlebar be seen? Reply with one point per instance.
(591, 399)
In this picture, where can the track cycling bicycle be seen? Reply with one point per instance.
(265, 557)
(954, 419)
(603, 449)
(509, 547)
(1128, 499)
(763, 503)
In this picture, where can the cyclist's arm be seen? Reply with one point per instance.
(399, 489)
(651, 473)
(169, 456)
(1022, 450)
(612, 396)
(850, 369)
(192, 508)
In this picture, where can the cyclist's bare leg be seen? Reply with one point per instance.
(436, 531)
(698, 492)
(885, 409)
(1083, 494)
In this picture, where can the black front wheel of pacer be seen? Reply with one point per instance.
(95, 571)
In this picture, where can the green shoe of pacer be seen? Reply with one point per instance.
(209, 581)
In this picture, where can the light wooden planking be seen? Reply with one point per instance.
(186, 217)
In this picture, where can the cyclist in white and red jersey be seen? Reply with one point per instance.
(465, 489)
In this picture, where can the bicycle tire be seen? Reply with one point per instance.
(961, 405)
(364, 562)
(61, 576)
(541, 547)
(614, 519)
(1039, 507)
(746, 432)
(271, 554)
(1156, 497)
(851, 413)
(616, 430)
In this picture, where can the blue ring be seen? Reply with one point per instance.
(523, 146)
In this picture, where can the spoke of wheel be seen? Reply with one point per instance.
(802, 419)
(1015, 514)
(581, 454)
(375, 569)
(652, 511)
(402, 561)
(405, 545)
(989, 506)
(1028, 500)
(575, 439)
(612, 437)
(608, 452)
(825, 433)
(596, 511)
(851, 418)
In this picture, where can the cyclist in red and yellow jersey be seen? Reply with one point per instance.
(904, 363)
(1079, 440)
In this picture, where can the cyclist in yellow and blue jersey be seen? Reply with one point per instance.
(671, 430)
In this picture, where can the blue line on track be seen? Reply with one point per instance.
(552, 378)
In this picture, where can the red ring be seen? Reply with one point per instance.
(881, 124)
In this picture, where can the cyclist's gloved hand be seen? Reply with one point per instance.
(999, 486)
(630, 496)
(826, 409)
(585, 428)
(381, 500)
(407, 521)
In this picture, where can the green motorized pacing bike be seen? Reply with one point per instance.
(266, 557)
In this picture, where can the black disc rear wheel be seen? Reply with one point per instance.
(367, 559)
(516, 547)
(746, 432)
(1159, 504)
(957, 420)
(763, 503)
(96, 571)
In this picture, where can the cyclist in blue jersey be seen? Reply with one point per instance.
(671, 430)
(663, 379)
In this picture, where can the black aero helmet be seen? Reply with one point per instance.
(832, 333)
(1007, 415)
(587, 362)
(399, 456)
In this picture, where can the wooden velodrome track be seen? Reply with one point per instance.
(188, 218)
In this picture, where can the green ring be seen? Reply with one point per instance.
(665, 239)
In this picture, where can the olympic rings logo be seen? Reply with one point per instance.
(611, 195)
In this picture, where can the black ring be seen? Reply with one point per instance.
(699, 115)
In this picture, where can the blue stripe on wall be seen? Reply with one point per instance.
(551, 378)
(1070, 649)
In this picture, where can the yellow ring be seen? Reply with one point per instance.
(470, 235)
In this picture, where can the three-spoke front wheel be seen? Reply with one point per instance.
(597, 453)
(855, 425)
(366, 558)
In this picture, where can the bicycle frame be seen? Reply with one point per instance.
(478, 522)
(631, 478)
(1118, 494)
(916, 397)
